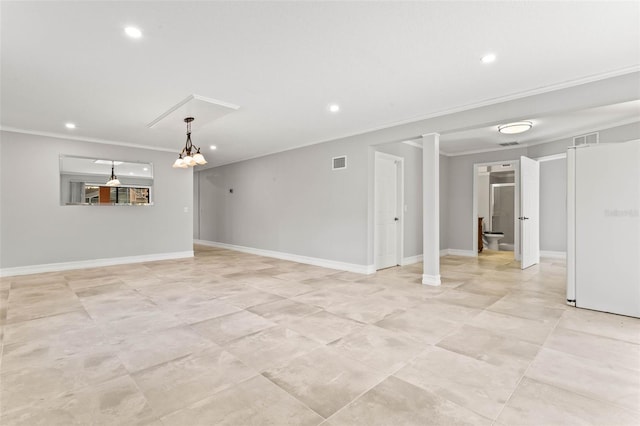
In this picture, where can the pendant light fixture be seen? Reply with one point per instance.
(113, 180)
(188, 158)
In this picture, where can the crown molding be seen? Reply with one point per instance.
(83, 139)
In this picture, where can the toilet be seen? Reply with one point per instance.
(493, 238)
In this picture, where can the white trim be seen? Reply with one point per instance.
(483, 150)
(531, 144)
(444, 252)
(589, 130)
(463, 108)
(188, 99)
(571, 224)
(458, 252)
(560, 156)
(333, 162)
(413, 143)
(553, 254)
(433, 280)
(325, 263)
(93, 263)
(84, 139)
(411, 260)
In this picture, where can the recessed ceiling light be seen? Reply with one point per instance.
(133, 32)
(488, 58)
(146, 169)
(70, 126)
(515, 128)
(213, 147)
(131, 173)
(334, 107)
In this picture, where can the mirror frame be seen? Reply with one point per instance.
(90, 179)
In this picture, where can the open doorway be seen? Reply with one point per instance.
(496, 208)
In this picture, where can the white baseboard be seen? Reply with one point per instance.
(444, 252)
(93, 263)
(553, 254)
(412, 259)
(325, 263)
(431, 280)
(457, 252)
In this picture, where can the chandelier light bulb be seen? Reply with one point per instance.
(190, 154)
(113, 179)
(179, 164)
(189, 161)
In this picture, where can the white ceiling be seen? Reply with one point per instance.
(283, 63)
(545, 128)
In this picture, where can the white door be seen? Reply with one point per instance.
(607, 228)
(529, 212)
(387, 216)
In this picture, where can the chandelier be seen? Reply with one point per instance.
(187, 157)
(113, 179)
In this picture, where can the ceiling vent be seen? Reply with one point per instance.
(589, 139)
(339, 163)
(509, 143)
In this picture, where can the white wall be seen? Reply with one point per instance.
(553, 205)
(462, 226)
(35, 229)
(552, 187)
(291, 202)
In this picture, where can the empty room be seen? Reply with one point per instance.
(319, 213)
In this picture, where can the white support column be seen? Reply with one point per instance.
(431, 208)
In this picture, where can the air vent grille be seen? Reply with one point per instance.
(339, 163)
(509, 143)
(589, 139)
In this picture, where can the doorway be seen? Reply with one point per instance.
(526, 226)
(496, 207)
(388, 210)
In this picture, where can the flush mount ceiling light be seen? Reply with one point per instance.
(334, 108)
(113, 180)
(515, 128)
(133, 32)
(488, 58)
(70, 125)
(188, 158)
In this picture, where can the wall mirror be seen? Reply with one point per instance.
(83, 181)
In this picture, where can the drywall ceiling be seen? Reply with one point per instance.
(545, 128)
(284, 63)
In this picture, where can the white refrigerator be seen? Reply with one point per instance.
(603, 247)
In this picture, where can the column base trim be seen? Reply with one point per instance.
(433, 280)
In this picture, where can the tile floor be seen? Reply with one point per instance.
(236, 339)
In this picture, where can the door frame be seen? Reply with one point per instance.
(537, 218)
(516, 206)
(399, 161)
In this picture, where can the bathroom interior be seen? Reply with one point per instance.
(496, 216)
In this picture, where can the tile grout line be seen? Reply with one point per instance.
(524, 374)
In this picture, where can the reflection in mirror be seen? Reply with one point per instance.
(83, 181)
